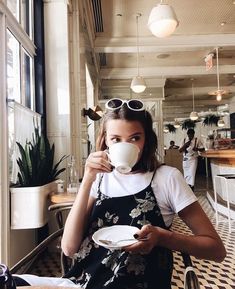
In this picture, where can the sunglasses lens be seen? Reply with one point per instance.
(135, 104)
(114, 103)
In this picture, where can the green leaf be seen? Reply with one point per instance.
(210, 120)
(36, 161)
(188, 123)
(171, 128)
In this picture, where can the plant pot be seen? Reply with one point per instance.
(29, 206)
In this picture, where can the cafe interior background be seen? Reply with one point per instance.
(60, 61)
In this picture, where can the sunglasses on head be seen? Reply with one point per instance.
(132, 104)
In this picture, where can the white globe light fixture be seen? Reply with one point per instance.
(219, 95)
(162, 20)
(221, 122)
(138, 84)
(165, 129)
(176, 124)
(193, 114)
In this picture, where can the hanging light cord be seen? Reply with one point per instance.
(137, 40)
(217, 67)
(193, 94)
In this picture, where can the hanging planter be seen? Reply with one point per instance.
(188, 123)
(171, 128)
(211, 119)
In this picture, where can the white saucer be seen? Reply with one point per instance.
(114, 234)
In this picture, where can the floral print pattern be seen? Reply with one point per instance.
(100, 268)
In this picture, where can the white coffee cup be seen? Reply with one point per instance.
(123, 156)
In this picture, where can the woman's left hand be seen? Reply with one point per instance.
(151, 234)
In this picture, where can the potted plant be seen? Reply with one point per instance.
(36, 179)
(171, 128)
(188, 123)
(211, 119)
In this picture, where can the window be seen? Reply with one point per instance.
(17, 52)
(22, 10)
(13, 68)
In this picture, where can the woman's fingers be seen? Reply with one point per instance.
(144, 247)
(98, 161)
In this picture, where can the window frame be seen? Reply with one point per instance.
(8, 22)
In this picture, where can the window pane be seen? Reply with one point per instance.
(27, 83)
(27, 16)
(14, 6)
(13, 68)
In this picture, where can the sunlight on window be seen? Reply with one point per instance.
(14, 7)
(13, 68)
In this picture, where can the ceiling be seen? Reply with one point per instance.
(168, 65)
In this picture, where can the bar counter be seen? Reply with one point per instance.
(222, 162)
(226, 157)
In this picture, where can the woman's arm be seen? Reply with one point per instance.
(184, 147)
(76, 222)
(204, 244)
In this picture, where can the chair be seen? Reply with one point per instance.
(24, 265)
(227, 180)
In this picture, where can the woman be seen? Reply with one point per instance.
(148, 197)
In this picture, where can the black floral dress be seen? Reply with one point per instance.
(100, 268)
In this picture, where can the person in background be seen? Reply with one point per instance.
(190, 148)
(173, 145)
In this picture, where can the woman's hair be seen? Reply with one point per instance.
(148, 160)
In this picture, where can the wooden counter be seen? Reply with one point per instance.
(221, 157)
(222, 162)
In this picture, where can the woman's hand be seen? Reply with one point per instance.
(97, 162)
(149, 232)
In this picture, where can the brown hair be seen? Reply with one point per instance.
(148, 160)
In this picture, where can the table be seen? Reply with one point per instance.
(61, 202)
(59, 198)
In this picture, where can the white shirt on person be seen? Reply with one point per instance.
(191, 153)
(169, 187)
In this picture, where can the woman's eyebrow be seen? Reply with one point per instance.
(136, 133)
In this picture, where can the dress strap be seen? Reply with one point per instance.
(101, 178)
(153, 176)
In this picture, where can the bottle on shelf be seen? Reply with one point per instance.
(72, 186)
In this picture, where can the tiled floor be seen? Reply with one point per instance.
(211, 274)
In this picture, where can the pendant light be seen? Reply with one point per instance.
(176, 124)
(165, 129)
(138, 84)
(193, 114)
(221, 122)
(219, 92)
(162, 20)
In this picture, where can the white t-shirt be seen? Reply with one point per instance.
(169, 187)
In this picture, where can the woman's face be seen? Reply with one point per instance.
(118, 130)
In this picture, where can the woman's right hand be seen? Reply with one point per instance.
(97, 162)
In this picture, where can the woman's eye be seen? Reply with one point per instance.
(135, 138)
(115, 139)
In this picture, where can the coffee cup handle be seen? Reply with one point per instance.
(107, 153)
